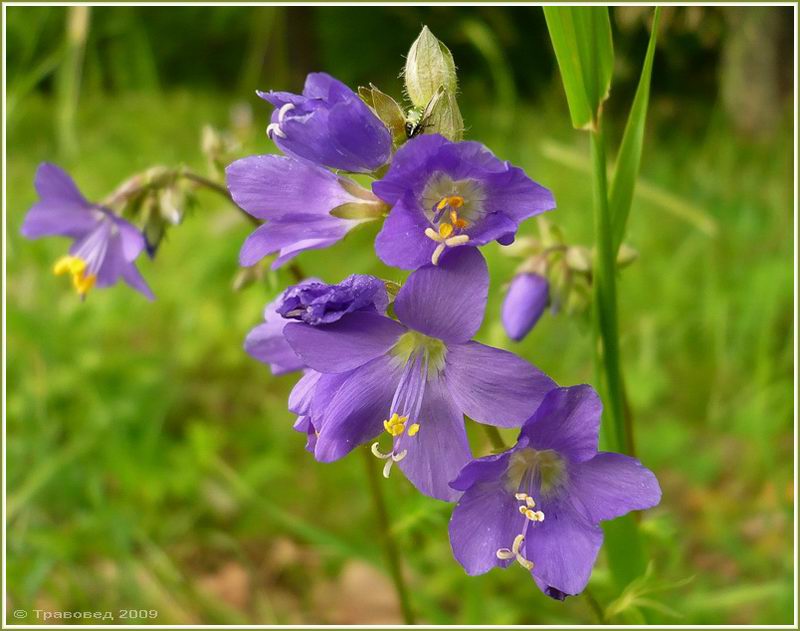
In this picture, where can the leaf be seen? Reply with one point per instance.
(626, 171)
(581, 38)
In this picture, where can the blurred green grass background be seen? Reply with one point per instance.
(151, 462)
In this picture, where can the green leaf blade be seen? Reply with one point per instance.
(584, 50)
(629, 158)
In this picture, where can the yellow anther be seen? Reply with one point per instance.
(69, 264)
(530, 502)
(455, 201)
(523, 510)
(83, 283)
(445, 230)
(442, 203)
(412, 431)
(396, 425)
(521, 496)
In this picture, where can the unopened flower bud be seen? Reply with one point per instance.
(429, 65)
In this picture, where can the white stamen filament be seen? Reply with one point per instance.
(274, 128)
(285, 109)
(504, 554)
(443, 243)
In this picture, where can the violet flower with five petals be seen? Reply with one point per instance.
(416, 378)
(540, 502)
(329, 125)
(105, 245)
(446, 194)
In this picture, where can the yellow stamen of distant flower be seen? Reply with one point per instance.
(75, 267)
(412, 431)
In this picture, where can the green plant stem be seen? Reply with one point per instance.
(498, 444)
(389, 543)
(605, 295)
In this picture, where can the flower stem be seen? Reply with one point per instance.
(498, 444)
(389, 543)
(217, 188)
(605, 296)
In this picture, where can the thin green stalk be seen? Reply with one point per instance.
(389, 544)
(605, 294)
(498, 444)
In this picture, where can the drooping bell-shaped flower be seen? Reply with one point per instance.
(105, 246)
(525, 302)
(448, 194)
(415, 379)
(328, 124)
(539, 503)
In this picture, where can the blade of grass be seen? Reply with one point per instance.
(69, 77)
(581, 38)
(630, 151)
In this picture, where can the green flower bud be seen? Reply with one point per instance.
(442, 116)
(429, 66)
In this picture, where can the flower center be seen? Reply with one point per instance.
(532, 468)
(451, 206)
(421, 358)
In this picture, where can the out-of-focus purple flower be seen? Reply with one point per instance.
(526, 300)
(416, 378)
(540, 502)
(329, 125)
(445, 194)
(105, 245)
(319, 303)
(299, 201)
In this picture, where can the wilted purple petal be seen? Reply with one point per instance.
(319, 303)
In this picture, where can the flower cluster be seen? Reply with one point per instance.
(397, 369)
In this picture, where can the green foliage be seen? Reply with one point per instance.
(581, 38)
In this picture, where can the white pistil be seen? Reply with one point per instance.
(504, 554)
(390, 458)
(449, 242)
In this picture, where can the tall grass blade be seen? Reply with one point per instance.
(581, 38)
(623, 182)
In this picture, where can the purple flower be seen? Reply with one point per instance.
(329, 125)
(416, 378)
(266, 343)
(300, 202)
(318, 303)
(540, 502)
(300, 401)
(445, 194)
(524, 304)
(105, 246)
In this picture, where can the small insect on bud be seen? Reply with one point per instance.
(429, 66)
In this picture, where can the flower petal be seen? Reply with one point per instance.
(302, 394)
(494, 386)
(61, 209)
(568, 421)
(485, 519)
(346, 344)
(356, 405)
(408, 171)
(276, 187)
(446, 301)
(481, 470)
(440, 449)
(563, 548)
(302, 232)
(402, 242)
(610, 485)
